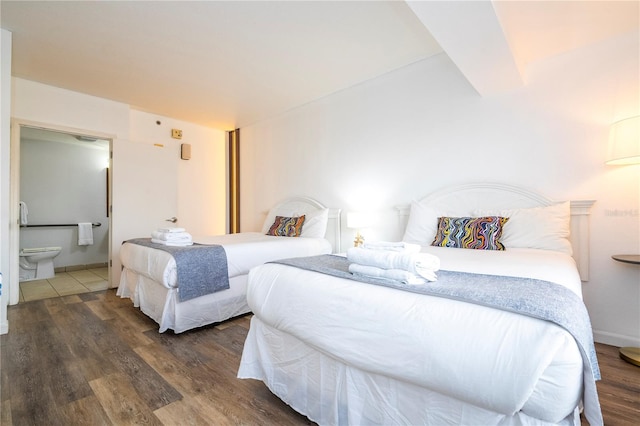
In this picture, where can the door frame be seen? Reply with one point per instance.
(14, 194)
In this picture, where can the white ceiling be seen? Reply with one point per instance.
(227, 64)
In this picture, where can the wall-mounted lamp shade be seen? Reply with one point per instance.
(624, 142)
(358, 220)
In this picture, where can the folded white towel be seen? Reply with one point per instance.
(172, 236)
(426, 273)
(24, 212)
(423, 264)
(400, 275)
(392, 246)
(172, 243)
(85, 234)
(171, 229)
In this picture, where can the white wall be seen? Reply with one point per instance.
(201, 180)
(201, 188)
(202, 204)
(5, 143)
(418, 129)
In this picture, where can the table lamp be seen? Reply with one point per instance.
(358, 221)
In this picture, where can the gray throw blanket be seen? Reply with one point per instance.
(201, 269)
(536, 298)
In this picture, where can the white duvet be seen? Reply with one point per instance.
(244, 251)
(370, 342)
(149, 278)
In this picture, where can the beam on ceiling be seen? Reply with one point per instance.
(470, 33)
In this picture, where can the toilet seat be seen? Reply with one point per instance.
(39, 250)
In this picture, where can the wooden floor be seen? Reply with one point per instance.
(93, 359)
(619, 389)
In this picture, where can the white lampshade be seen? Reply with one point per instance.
(624, 142)
(358, 220)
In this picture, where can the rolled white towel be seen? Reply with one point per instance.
(171, 229)
(400, 275)
(172, 236)
(399, 246)
(422, 264)
(428, 274)
(172, 243)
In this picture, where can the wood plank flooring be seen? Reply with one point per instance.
(619, 388)
(94, 359)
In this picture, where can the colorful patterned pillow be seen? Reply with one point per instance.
(480, 233)
(286, 226)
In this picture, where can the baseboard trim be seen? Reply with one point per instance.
(614, 339)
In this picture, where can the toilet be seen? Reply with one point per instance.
(37, 263)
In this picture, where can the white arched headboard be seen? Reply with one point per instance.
(484, 196)
(305, 205)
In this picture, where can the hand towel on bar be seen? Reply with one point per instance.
(392, 246)
(85, 234)
(24, 212)
(423, 264)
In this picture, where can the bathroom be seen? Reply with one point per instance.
(63, 184)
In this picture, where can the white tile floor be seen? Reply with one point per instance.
(64, 284)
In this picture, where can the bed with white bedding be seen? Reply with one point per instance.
(150, 279)
(347, 352)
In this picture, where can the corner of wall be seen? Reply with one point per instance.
(5, 138)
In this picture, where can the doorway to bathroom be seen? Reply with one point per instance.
(64, 217)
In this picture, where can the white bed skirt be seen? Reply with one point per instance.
(161, 303)
(351, 396)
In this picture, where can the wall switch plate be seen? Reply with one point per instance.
(176, 133)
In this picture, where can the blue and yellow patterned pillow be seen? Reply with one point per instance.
(286, 226)
(480, 233)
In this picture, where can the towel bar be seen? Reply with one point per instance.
(93, 225)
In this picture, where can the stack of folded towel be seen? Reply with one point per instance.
(171, 237)
(398, 261)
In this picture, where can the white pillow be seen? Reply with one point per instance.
(546, 228)
(423, 223)
(315, 223)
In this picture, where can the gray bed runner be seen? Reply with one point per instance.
(201, 269)
(535, 298)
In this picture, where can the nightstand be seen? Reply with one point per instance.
(629, 354)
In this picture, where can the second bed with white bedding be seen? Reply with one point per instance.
(150, 279)
(244, 251)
